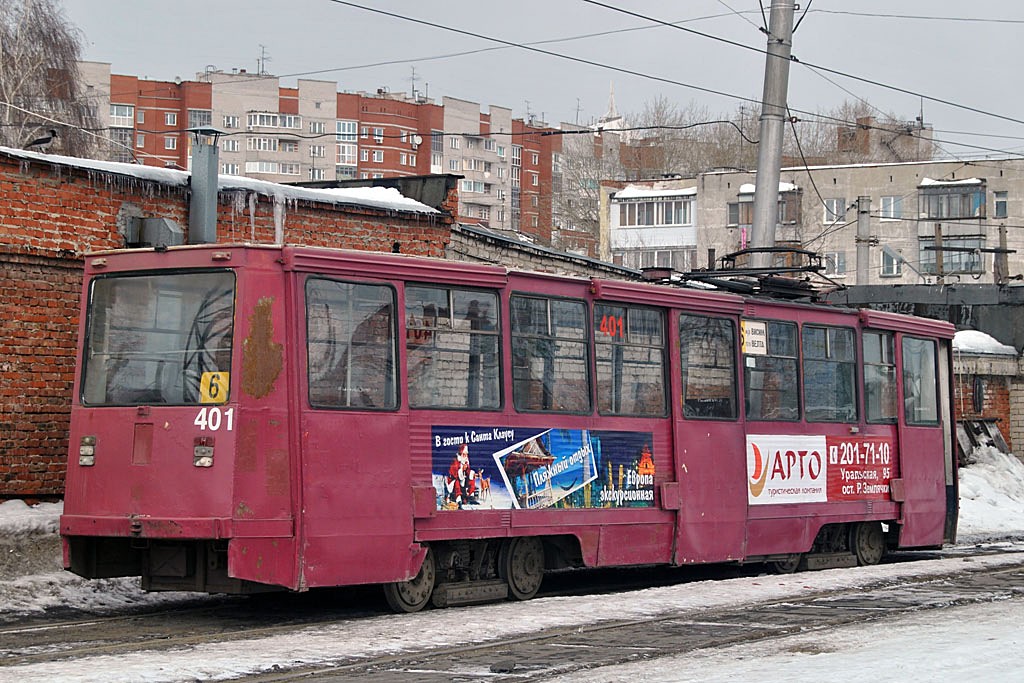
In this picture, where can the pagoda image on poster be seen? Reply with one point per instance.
(505, 468)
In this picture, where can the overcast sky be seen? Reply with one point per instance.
(967, 54)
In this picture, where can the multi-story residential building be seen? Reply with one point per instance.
(312, 133)
(927, 221)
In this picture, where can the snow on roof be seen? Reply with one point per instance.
(748, 188)
(965, 181)
(386, 198)
(972, 341)
(641, 192)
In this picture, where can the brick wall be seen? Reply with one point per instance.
(994, 401)
(52, 213)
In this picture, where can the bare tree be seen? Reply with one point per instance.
(40, 86)
(587, 158)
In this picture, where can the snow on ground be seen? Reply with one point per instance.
(927, 646)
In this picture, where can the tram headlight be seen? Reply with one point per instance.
(87, 451)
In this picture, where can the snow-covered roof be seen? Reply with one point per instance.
(749, 188)
(641, 192)
(386, 198)
(972, 341)
(966, 181)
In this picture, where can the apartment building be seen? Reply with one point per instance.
(926, 221)
(312, 132)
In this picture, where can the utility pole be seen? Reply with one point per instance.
(773, 120)
(1002, 266)
(863, 238)
(939, 269)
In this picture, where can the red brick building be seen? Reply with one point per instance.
(54, 211)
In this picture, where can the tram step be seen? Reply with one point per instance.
(829, 561)
(469, 592)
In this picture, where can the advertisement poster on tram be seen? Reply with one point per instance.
(529, 469)
(817, 469)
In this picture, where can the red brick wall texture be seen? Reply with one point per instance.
(50, 215)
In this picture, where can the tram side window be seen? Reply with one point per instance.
(830, 374)
(549, 355)
(350, 334)
(451, 342)
(707, 348)
(879, 377)
(629, 353)
(920, 395)
(770, 371)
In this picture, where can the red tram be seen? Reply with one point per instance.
(250, 417)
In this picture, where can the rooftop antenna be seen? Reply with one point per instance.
(261, 61)
(578, 108)
(412, 82)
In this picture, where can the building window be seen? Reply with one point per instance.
(317, 127)
(261, 144)
(666, 212)
(378, 156)
(317, 151)
(944, 201)
(229, 145)
(454, 142)
(140, 140)
(231, 122)
(364, 133)
(892, 208)
(835, 209)
(501, 151)
(534, 179)
(378, 134)
(835, 263)
(489, 144)
(122, 115)
(346, 131)
(170, 118)
(261, 120)
(403, 159)
(171, 142)
(1000, 204)
(316, 174)
(140, 116)
(740, 213)
(891, 266)
(960, 254)
(200, 118)
(454, 165)
(290, 169)
(262, 167)
(412, 159)
(291, 146)
(346, 154)
(534, 159)
(364, 155)
(229, 169)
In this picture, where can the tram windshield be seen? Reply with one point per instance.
(159, 339)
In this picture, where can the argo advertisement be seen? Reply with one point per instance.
(818, 469)
(501, 468)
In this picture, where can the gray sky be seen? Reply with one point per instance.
(969, 63)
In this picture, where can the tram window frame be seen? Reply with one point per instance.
(453, 323)
(716, 348)
(622, 338)
(777, 362)
(829, 371)
(914, 384)
(388, 395)
(881, 402)
(536, 328)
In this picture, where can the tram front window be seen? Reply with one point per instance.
(159, 339)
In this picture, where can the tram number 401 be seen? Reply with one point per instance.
(214, 418)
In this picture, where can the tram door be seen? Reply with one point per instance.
(710, 445)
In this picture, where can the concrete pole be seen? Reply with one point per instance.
(773, 121)
(863, 239)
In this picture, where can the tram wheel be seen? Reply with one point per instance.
(867, 542)
(414, 594)
(521, 565)
(786, 566)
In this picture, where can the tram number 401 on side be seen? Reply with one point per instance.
(213, 419)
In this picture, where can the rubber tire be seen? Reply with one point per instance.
(521, 566)
(867, 542)
(413, 595)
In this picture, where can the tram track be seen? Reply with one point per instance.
(234, 619)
